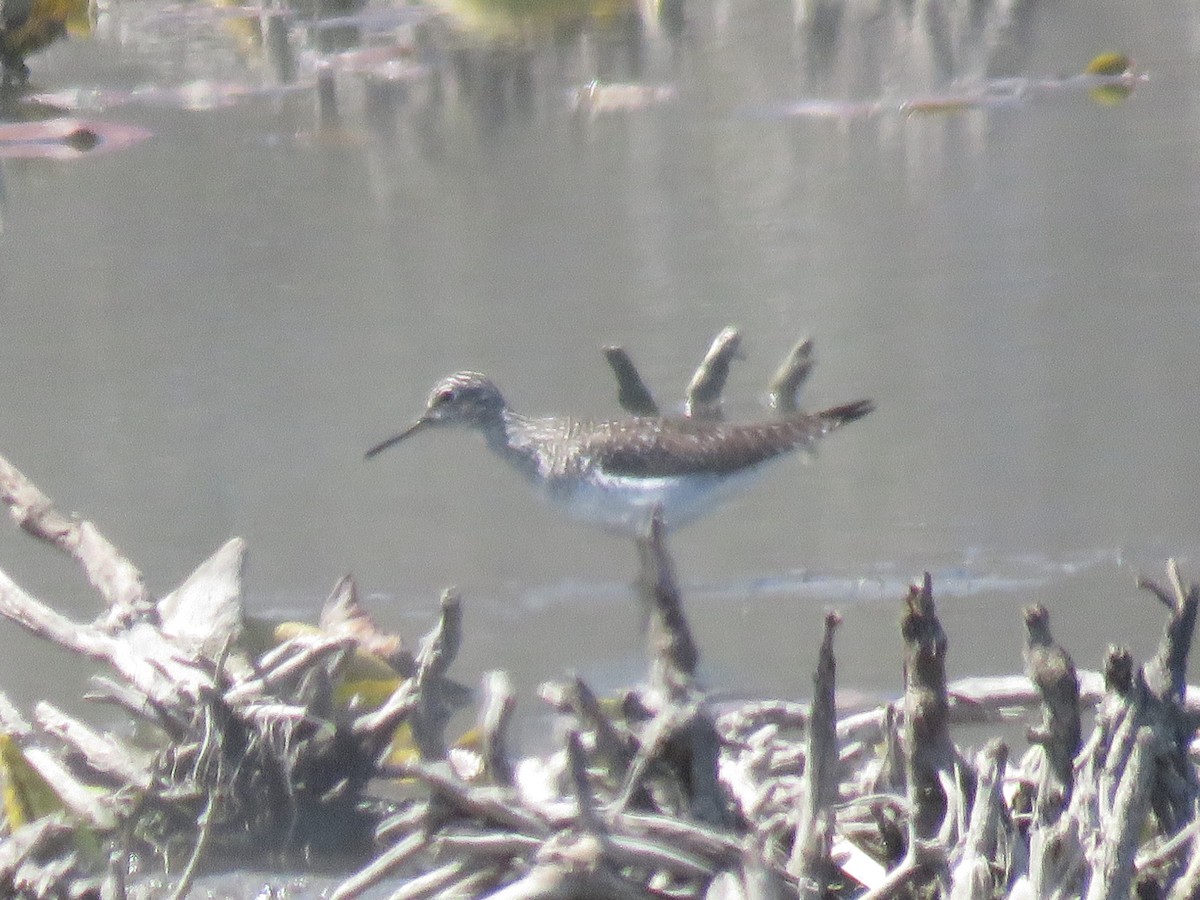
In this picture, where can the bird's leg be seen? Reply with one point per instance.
(790, 377)
(703, 397)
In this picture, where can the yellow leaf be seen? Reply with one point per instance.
(365, 694)
(27, 796)
(1109, 64)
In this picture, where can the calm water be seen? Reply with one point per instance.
(203, 333)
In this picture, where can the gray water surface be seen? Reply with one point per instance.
(203, 333)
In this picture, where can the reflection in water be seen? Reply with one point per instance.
(65, 138)
(480, 55)
(27, 26)
(1109, 78)
(503, 61)
(858, 49)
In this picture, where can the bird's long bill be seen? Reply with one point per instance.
(407, 432)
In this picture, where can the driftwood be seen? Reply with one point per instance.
(335, 740)
(702, 399)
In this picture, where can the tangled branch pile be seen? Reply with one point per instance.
(249, 751)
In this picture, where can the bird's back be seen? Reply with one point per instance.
(664, 447)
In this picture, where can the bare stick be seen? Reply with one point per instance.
(436, 883)
(116, 578)
(1166, 674)
(380, 867)
(702, 399)
(574, 867)
(809, 861)
(612, 746)
(101, 752)
(289, 660)
(585, 800)
(495, 714)
(11, 721)
(1112, 870)
(148, 662)
(672, 648)
(790, 377)
(343, 614)
(1050, 668)
(490, 803)
(437, 652)
(1188, 885)
(974, 876)
(204, 823)
(930, 751)
(632, 393)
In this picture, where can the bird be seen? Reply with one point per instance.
(615, 474)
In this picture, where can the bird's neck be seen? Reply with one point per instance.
(512, 436)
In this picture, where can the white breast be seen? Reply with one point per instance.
(625, 504)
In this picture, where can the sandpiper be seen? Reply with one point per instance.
(615, 473)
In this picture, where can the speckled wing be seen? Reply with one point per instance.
(633, 448)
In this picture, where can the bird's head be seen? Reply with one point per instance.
(464, 398)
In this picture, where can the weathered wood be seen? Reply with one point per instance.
(1166, 673)
(342, 615)
(433, 708)
(978, 873)
(100, 752)
(672, 648)
(638, 804)
(810, 858)
(204, 614)
(613, 747)
(1112, 869)
(633, 395)
(1059, 737)
(928, 747)
(702, 399)
(119, 582)
(141, 654)
(789, 378)
(381, 867)
(495, 714)
(497, 805)
(1187, 887)
(585, 801)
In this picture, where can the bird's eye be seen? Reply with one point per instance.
(445, 395)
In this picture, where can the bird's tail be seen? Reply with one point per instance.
(837, 416)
